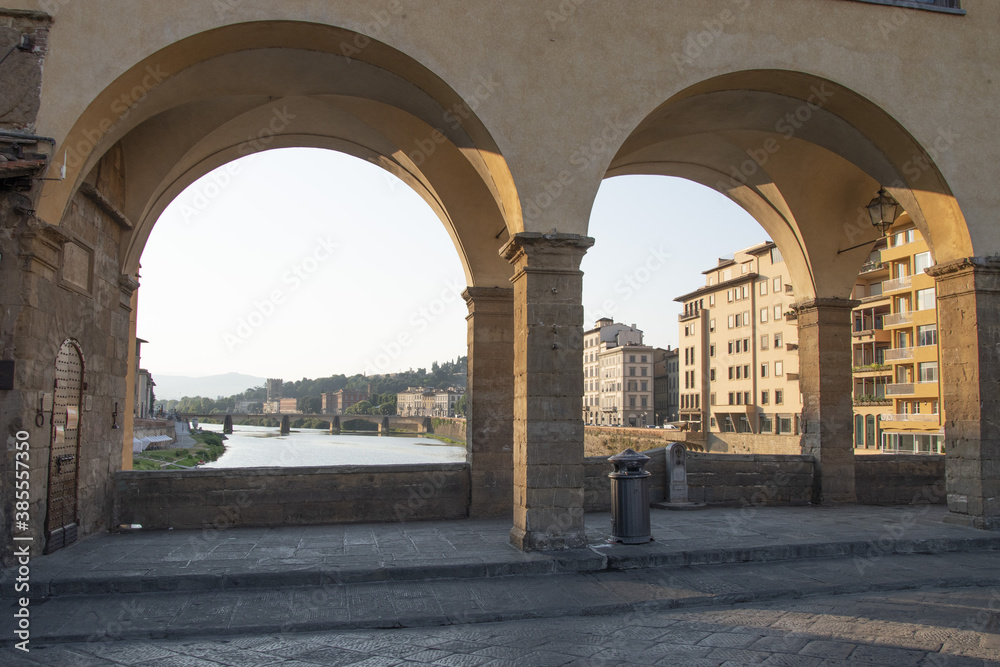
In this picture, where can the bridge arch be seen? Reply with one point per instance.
(803, 155)
(217, 95)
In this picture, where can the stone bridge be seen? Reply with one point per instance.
(505, 118)
(384, 422)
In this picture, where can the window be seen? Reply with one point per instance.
(739, 372)
(746, 291)
(745, 267)
(763, 370)
(730, 347)
(643, 358)
(925, 299)
(746, 318)
(784, 425)
(727, 275)
(779, 396)
(777, 341)
(711, 398)
(743, 425)
(645, 385)
(928, 371)
(764, 340)
(642, 371)
(711, 299)
(644, 401)
(779, 368)
(765, 398)
(777, 312)
(631, 357)
(763, 288)
(631, 401)
(727, 424)
(766, 425)
(927, 334)
(777, 284)
(711, 350)
(739, 398)
(729, 295)
(711, 375)
(905, 236)
(732, 398)
(631, 371)
(711, 420)
(732, 372)
(920, 262)
(711, 326)
(746, 344)
(732, 321)
(763, 315)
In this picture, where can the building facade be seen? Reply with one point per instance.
(737, 356)
(898, 405)
(337, 402)
(428, 402)
(618, 376)
(665, 382)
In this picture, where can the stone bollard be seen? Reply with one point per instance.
(629, 498)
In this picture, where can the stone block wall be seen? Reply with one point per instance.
(450, 428)
(291, 496)
(750, 443)
(608, 441)
(899, 479)
(715, 479)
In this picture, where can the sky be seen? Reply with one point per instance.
(303, 262)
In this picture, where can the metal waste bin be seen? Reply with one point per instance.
(629, 498)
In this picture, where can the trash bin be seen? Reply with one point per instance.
(629, 498)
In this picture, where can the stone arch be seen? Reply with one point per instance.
(803, 155)
(239, 89)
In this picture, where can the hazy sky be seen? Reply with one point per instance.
(303, 263)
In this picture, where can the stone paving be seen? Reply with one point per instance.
(930, 627)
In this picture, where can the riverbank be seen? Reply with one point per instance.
(209, 447)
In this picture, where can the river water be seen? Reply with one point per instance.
(260, 446)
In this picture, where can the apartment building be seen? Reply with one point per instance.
(897, 387)
(665, 382)
(337, 402)
(737, 355)
(618, 376)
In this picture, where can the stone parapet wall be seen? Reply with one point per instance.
(143, 428)
(291, 496)
(900, 479)
(715, 479)
(752, 443)
(608, 441)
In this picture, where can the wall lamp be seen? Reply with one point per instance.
(883, 210)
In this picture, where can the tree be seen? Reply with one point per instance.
(460, 405)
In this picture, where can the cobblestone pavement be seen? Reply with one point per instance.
(930, 627)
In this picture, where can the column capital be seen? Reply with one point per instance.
(965, 265)
(554, 253)
(473, 294)
(820, 303)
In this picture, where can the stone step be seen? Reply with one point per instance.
(611, 557)
(425, 603)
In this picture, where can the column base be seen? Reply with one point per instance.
(980, 522)
(537, 541)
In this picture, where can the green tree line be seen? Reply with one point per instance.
(308, 391)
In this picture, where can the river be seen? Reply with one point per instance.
(261, 446)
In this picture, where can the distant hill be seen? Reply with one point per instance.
(176, 387)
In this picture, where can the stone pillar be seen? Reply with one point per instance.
(968, 301)
(489, 426)
(827, 396)
(548, 389)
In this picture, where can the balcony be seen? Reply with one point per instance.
(880, 369)
(869, 400)
(899, 353)
(897, 284)
(896, 319)
(910, 418)
(685, 317)
(872, 266)
(899, 389)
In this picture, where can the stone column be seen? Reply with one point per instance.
(489, 426)
(827, 402)
(548, 389)
(968, 300)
